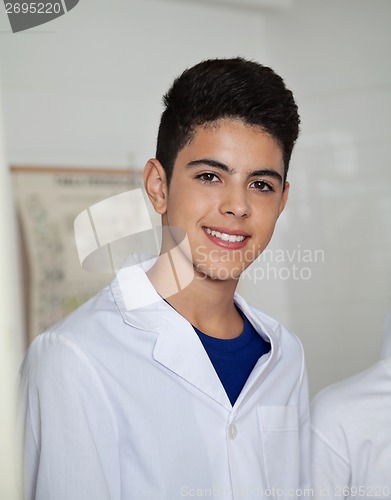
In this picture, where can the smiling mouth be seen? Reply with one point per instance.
(233, 238)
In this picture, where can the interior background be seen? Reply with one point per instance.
(85, 90)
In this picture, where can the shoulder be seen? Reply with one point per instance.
(87, 325)
(335, 405)
(65, 346)
(348, 414)
(95, 312)
(53, 358)
(57, 374)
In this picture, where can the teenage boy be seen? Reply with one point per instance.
(186, 392)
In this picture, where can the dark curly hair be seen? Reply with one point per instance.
(226, 88)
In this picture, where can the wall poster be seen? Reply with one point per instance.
(48, 200)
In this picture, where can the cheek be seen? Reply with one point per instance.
(265, 227)
(267, 215)
(194, 204)
(182, 209)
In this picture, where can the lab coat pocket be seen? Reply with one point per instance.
(281, 450)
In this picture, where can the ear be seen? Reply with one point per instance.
(155, 184)
(284, 197)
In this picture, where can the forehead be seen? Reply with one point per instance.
(234, 143)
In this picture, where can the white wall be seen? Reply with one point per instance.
(86, 90)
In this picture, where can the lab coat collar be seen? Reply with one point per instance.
(178, 347)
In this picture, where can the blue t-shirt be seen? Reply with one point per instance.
(234, 359)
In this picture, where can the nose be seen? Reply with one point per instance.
(234, 202)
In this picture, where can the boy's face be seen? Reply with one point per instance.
(226, 193)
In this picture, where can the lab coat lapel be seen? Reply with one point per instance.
(179, 349)
(270, 331)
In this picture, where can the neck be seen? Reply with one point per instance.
(206, 303)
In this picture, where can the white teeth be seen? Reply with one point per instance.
(224, 236)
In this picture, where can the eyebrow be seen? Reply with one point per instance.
(211, 163)
(267, 172)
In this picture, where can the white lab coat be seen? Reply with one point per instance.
(351, 434)
(122, 403)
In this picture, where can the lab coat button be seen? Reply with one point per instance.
(232, 431)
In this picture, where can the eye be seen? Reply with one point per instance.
(208, 178)
(262, 186)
